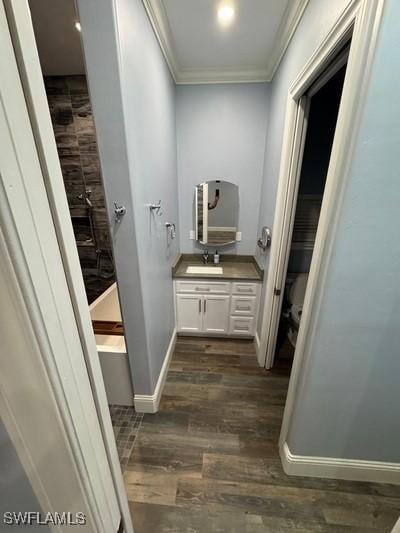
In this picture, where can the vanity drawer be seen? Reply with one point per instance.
(203, 287)
(243, 305)
(244, 288)
(243, 325)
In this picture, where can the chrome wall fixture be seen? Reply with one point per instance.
(119, 212)
(171, 229)
(156, 208)
(264, 241)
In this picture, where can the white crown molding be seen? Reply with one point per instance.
(337, 468)
(290, 21)
(159, 21)
(203, 76)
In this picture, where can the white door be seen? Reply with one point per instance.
(189, 313)
(284, 219)
(46, 401)
(215, 314)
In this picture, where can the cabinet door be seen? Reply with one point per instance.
(189, 312)
(215, 313)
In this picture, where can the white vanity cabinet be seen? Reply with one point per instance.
(216, 307)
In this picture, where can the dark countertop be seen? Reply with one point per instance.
(236, 268)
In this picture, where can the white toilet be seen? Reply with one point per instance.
(296, 298)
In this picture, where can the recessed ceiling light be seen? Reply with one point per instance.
(226, 13)
(78, 26)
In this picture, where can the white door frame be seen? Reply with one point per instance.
(54, 200)
(364, 17)
(276, 288)
(280, 253)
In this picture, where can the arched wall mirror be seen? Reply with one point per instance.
(216, 212)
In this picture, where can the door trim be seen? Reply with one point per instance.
(43, 312)
(21, 31)
(364, 17)
(275, 283)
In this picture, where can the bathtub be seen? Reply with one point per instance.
(112, 350)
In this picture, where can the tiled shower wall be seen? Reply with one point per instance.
(75, 135)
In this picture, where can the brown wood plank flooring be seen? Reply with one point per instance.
(208, 460)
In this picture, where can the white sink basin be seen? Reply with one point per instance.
(204, 270)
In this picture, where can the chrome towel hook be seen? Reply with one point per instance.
(156, 208)
(171, 229)
(119, 212)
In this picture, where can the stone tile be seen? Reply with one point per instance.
(81, 106)
(74, 131)
(124, 420)
(77, 85)
(88, 143)
(91, 169)
(83, 126)
(56, 85)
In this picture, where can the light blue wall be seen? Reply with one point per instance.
(149, 104)
(349, 405)
(318, 19)
(221, 135)
(16, 493)
(134, 107)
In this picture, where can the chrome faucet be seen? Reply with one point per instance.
(205, 257)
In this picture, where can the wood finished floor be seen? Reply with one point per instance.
(208, 460)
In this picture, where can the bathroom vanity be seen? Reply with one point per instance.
(218, 299)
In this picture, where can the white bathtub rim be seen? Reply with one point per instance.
(107, 348)
(101, 347)
(102, 296)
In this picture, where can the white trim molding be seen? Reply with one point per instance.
(148, 403)
(257, 341)
(20, 23)
(159, 20)
(336, 468)
(286, 30)
(352, 13)
(51, 388)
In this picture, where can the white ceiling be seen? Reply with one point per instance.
(57, 39)
(196, 47)
(199, 50)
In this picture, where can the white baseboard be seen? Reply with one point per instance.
(334, 468)
(149, 403)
